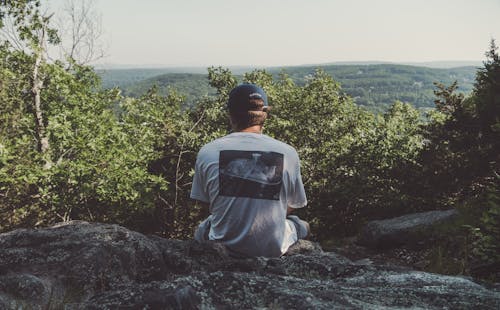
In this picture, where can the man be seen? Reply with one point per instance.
(251, 183)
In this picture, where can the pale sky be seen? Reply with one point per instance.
(294, 32)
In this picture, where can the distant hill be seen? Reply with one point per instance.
(440, 64)
(445, 64)
(124, 78)
(374, 86)
(379, 85)
(191, 85)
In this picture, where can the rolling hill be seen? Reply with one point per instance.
(374, 86)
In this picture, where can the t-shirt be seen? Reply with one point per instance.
(249, 180)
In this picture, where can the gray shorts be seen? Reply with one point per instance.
(302, 228)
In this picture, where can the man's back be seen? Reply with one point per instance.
(249, 180)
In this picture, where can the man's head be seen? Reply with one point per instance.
(247, 106)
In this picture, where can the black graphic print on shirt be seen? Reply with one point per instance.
(253, 174)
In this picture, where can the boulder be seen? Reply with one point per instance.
(80, 265)
(408, 229)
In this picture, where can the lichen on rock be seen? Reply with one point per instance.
(80, 265)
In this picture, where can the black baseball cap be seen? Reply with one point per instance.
(240, 96)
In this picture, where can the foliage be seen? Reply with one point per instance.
(374, 87)
(97, 173)
(460, 162)
(486, 103)
(28, 21)
(486, 246)
(486, 99)
(192, 86)
(158, 122)
(462, 139)
(378, 86)
(100, 171)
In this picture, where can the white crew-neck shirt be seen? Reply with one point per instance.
(249, 180)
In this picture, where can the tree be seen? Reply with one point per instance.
(82, 163)
(32, 29)
(460, 167)
(80, 29)
(487, 104)
(462, 147)
(486, 108)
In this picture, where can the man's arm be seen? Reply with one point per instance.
(289, 210)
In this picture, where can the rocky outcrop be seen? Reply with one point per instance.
(79, 265)
(404, 230)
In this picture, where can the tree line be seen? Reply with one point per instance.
(375, 87)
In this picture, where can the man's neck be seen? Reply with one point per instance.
(252, 129)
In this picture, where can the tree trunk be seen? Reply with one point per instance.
(43, 140)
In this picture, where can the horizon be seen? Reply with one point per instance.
(445, 64)
(274, 33)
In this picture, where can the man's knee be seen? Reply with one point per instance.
(308, 229)
(302, 227)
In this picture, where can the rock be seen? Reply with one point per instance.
(304, 247)
(404, 230)
(79, 265)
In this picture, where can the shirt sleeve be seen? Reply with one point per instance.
(297, 195)
(198, 188)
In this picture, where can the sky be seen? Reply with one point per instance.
(294, 32)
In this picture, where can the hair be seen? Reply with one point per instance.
(255, 114)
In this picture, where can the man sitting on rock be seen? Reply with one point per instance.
(250, 182)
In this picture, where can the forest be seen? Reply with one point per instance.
(71, 149)
(373, 86)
